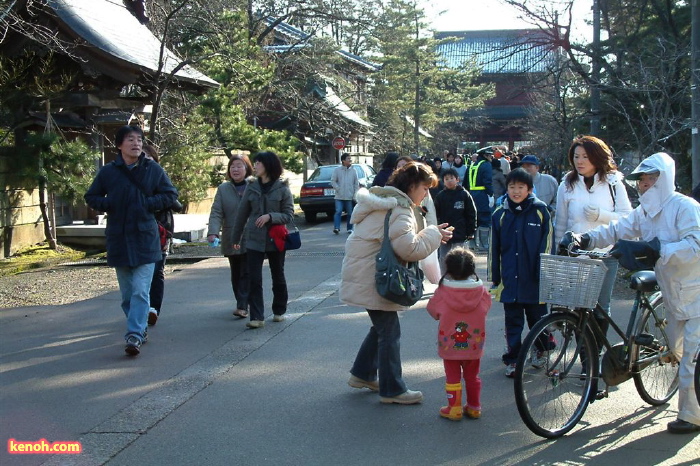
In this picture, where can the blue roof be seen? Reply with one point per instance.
(500, 51)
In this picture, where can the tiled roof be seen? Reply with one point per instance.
(292, 39)
(109, 28)
(500, 51)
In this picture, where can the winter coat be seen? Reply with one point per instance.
(278, 202)
(461, 307)
(546, 187)
(382, 176)
(132, 231)
(484, 177)
(498, 181)
(345, 182)
(410, 241)
(609, 195)
(456, 207)
(674, 219)
(517, 240)
(226, 204)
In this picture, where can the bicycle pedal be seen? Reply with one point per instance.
(644, 339)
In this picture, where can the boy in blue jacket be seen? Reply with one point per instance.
(521, 229)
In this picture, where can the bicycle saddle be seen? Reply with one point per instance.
(644, 280)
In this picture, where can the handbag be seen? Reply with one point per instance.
(293, 240)
(401, 284)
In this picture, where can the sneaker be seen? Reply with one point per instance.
(152, 316)
(278, 318)
(409, 397)
(144, 340)
(510, 370)
(472, 413)
(682, 427)
(349, 232)
(255, 324)
(356, 382)
(539, 359)
(336, 231)
(133, 346)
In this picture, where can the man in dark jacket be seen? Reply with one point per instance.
(479, 183)
(130, 190)
(455, 206)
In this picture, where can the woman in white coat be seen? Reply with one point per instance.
(411, 240)
(592, 194)
(670, 223)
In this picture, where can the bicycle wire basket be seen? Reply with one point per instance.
(570, 281)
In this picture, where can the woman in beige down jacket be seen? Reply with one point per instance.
(411, 240)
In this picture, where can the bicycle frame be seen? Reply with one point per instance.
(587, 318)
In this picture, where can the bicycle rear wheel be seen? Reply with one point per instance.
(696, 380)
(552, 399)
(656, 381)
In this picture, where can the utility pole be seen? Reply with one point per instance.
(595, 71)
(695, 91)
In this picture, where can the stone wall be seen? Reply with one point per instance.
(20, 217)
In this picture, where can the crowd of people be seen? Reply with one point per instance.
(490, 202)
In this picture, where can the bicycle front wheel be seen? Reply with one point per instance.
(655, 378)
(696, 380)
(552, 384)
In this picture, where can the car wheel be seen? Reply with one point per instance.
(310, 217)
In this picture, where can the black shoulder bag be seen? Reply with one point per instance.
(402, 284)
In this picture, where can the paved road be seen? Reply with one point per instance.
(207, 391)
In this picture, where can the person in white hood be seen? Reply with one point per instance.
(670, 223)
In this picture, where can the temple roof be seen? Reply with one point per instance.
(499, 51)
(113, 34)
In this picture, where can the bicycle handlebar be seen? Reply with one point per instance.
(575, 252)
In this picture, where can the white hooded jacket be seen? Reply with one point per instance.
(673, 218)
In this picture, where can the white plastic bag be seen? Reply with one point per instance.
(431, 267)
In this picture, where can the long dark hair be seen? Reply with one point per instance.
(599, 154)
(271, 162)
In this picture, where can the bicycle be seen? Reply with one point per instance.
(554, 388)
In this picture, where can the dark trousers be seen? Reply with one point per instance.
(239, 280)
(515, 322)
(381, 353)
(158, 285)
(256, 302)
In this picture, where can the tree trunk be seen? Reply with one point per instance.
(44, 214)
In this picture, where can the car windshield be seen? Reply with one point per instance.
(324, 173)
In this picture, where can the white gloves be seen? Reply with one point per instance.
(596, 214)
(591, 212)
(491, 201)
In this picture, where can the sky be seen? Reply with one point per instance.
(470, 15)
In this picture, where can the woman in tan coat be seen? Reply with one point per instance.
(411, 240)
(223, 213)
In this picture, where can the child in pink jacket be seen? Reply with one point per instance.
(461, 303)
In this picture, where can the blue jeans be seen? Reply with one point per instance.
(381, 352)
(135, 287)
(280, 296)
(340, 206)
